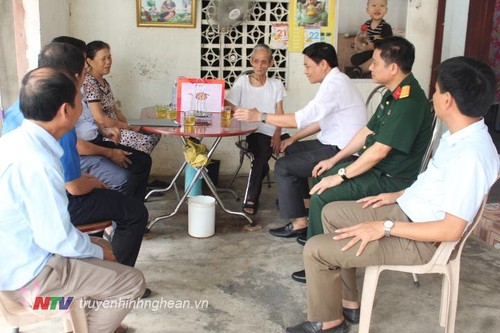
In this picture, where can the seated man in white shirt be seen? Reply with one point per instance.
(336, 113)
(436, 208)
(257, 90)
(40, 246)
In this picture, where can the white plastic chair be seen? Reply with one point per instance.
(446, 261)
(17, 315)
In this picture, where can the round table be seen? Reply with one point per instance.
(214, 127)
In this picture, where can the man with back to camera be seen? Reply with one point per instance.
(41, 249)
(120, 168)
(402, 228)
(90, 200)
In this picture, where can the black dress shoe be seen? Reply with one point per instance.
(287, 231)
(310, 327)
(158, 184)
(302, 239)
(147, 293)
(351, 315)
(299, 276)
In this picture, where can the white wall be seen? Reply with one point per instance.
(147, 60)
(54, 19)
(455, 29)
(8, 74)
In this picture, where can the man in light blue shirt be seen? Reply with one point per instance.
(90, 200)
(40, 246)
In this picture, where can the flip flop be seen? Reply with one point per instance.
(254, 206)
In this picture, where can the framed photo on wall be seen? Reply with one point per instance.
(166, 13)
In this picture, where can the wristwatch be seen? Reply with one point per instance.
(263, 117)
(388, 225)
(342, 174)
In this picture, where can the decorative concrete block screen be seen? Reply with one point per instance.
(226, 54)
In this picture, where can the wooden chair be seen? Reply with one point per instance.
(446, 261)
(94, 228)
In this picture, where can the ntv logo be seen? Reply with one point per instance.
(51, 302)
(31, 301)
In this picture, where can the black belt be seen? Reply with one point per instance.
(381, 173)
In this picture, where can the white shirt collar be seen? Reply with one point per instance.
(452, 139)
(45, 137)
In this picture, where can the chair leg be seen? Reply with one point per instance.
(248, 180)
(268, 179)
(235, 174)
(445, 300)
(369, 288)
(415, 280)
(454, 281)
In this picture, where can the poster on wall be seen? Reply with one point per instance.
(201, 95)
(310, 21)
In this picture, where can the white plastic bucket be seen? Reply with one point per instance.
(201, 216)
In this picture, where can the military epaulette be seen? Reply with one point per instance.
(401, 92)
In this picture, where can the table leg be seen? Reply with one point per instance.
(177, 175)
(199, 171)
(179, 204)
(213, 189)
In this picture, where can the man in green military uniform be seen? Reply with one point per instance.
(390, 147)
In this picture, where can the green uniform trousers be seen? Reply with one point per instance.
(372, 182)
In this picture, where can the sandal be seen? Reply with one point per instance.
(250, 208)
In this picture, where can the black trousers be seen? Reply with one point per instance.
(129, 215)
(260, 146)
(138, 171)
(360, 58)
(292, 172)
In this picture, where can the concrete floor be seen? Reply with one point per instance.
(244, 279)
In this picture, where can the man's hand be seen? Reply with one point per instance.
(321, 167)
(380, 200)
(363, 232)
(120, 157)
(276, 142)
(112, 133)
(247, 114)
(106, 248)
(326, 183)
(96, 183)
(285, 143)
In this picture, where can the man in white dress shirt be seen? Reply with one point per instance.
(336, 113)
(402, 228)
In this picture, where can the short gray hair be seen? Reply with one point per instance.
(262, 47)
